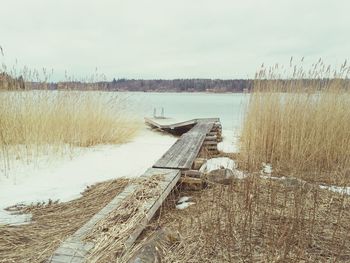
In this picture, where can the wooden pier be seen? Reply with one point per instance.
(179, 127)
(177, 161)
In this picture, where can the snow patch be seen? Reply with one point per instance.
(10, 218)
(229, 142)
(239, 174)
(184, 199)
(337, 189)
(64, 179)
(184, 205)
(266, 168)
(218, 163)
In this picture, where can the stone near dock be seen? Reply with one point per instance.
(221, 176)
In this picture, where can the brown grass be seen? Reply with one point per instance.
(111, 234)
(53, 223)
(257, 220)
(299, 124)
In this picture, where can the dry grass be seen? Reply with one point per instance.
(298, 125)
(257, 220)
(37, 122)
(53, 223)
(111, 234)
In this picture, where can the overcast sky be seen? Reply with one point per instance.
(171, 38)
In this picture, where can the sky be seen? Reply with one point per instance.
(170, 38)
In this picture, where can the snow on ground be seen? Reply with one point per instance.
(229, 142)
(222, 163)
(333, 188)
(184, 205)
(337, 189)
(266, 168)
(218, 163)
(184, 199)
(65, 179)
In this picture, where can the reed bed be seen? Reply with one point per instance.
(298, 122)
(258, 220)
(33, 123)
(53, 223)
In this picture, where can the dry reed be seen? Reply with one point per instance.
(40, 122)
(258, 220)
(299, 123)
(53, 223)
(111, 234)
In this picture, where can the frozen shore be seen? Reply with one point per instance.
(64, 179)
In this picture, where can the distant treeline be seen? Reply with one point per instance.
(181, 85)
(176, 85)
(157, 85)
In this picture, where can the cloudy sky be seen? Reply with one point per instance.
(171, 38)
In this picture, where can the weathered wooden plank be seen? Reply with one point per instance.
(192, 152)
(212, 149)
(192, 173)
(172, 157)
(153, 205)
(175, 154)
(211, 138)
(75, 249)
(74, 244)
(210, 143)
(182, 154)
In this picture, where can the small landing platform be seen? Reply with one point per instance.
(179, 127)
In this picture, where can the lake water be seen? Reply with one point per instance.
(229, 107)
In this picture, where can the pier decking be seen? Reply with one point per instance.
(179, 127)
(180, 157)
(182, 154)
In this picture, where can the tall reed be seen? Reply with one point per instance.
(298, 121)
(33, 123)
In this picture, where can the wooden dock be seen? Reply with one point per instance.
(182, 154)
(179, 127)
(179, 158)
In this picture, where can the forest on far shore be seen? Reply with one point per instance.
(154, 85)
(162, 85)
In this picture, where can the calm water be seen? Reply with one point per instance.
(185, 106)
(229, 107)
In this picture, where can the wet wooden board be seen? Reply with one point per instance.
(182, 154)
